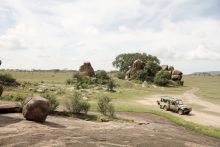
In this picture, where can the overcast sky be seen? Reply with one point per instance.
(48, 34)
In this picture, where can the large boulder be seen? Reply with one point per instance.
(86, 70)
(36, 109)
(137, 65)
(177, 72)
(1, 90)
(170, 68)
(176, 77)
(164, 67)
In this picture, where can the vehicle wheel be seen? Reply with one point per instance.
(187, 113)
(166, 108)
(180, 112)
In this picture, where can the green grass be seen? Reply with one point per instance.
(209, 87)
(47, 77)
(125, 99)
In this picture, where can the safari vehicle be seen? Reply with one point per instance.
(173, 104)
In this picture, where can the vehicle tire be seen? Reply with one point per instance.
(187, 113)
(180, 112)
(165, 108)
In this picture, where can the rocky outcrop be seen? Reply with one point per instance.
(137, 65)
(170, 68)
(177, 72)
(36, 109)
(175, 75)
(86, 70)
(1, 89)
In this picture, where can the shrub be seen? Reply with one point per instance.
(162, 78)
(120, 75)
(111, 85)
(8, 80)
(102, 77)
(52, 101)
(69, 82)
(105, 106)
(76, 104)
(17, 97)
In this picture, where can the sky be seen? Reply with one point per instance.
(62, 34)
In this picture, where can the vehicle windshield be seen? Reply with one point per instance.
(180, 102)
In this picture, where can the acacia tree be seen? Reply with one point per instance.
(124, 61)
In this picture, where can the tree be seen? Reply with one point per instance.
(162, 78)
(148, 73)
(124, 61)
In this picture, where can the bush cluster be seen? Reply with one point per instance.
(162, 78)
(8, 80)
(76, 104)
(85, 82)
(52, 101)
(120, 75)
(18, 97)
(105, 106)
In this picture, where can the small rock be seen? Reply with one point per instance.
(143, 123)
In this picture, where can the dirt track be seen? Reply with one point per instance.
(66, 131)
(208, 119)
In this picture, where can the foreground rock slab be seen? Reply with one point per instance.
(72, 132)
(36, 109)
(9, 108)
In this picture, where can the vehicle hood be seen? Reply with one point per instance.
(184, 106)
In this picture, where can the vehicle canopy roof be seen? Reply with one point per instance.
(170, 98)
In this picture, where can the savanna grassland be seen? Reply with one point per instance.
(126, 97)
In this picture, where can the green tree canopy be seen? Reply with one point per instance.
(124, 61)
(148, 73)
(162, 78)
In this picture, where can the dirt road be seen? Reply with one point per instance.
(208, 114)
(66, 131)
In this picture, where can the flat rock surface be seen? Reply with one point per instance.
(67, 131)
(9, 107)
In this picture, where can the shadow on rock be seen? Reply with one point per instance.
(6, 120)
(53, 125)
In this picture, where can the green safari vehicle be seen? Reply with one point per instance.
(173, 104)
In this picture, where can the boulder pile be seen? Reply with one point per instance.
(175, 74)
(86, 70)
(36, 109)
(137, 65)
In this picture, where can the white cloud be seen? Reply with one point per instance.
(202, 53)
(70, 32)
